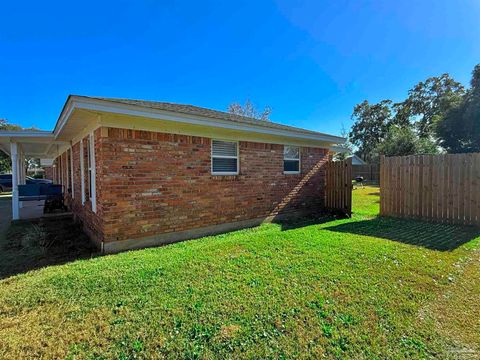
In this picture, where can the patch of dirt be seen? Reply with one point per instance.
(229, 331)
(30, 245)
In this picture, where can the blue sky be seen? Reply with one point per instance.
(311, 61)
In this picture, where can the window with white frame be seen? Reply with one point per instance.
(291, 159)
(224, 157)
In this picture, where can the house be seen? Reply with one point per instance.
(143, 173)
(357, 160)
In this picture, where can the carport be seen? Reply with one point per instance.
(22, 144)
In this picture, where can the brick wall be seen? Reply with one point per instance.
(152, 183)
(48, 172)
(92, 222)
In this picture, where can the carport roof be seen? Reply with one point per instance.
(33, 142)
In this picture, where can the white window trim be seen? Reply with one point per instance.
(93, 172)
(293, 159)
(82, 171)
(224, 157)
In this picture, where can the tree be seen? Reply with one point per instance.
(249, 110)
(5, 162)
(347, 146)
(459, 129)
(5, 126)
(403, 140)
(427, 101)
(371, 123)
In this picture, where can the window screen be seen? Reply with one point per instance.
(291, 159)
(224, 157)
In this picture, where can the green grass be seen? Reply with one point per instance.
(366, 201)
(353, 288)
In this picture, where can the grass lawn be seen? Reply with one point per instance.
(364, 287)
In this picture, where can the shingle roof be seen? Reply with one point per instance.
(199, 111)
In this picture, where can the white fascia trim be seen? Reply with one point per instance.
(29, 134)
(124, 109)
(64, 115)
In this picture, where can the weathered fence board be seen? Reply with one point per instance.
(369, 172)
(440, 188)
(338, 196)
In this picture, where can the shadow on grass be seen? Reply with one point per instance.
(30, 245)
(296, 223)
(441, 237)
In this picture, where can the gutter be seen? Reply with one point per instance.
(78, 102)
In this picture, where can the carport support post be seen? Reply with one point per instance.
(14, 157)
(21, 170)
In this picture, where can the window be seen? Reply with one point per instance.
(224, 157)
(291, 159)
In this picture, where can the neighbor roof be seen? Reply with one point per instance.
(200, 111)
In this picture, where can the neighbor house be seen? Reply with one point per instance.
(356, 160)
(142, 173)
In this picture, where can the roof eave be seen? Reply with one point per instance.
(81, 102)
(26, 134)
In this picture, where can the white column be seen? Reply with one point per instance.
(65, 171)
(21, 172)
(82, 172)
(93, 172)
(14, 157)
(71, 172)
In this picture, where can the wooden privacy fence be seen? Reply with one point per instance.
(339, 186)
(440, 188)
(370, 172)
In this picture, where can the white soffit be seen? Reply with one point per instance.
(105, 106)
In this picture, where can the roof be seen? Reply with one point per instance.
(357, 159)
(209, 113)
(71, 122)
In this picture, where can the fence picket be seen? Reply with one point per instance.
(338, 190)
(434, 187)
(441, 188)
(441, 199)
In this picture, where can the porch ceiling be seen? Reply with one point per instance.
(32, 143)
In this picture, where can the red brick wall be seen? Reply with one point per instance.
(48, 172)
(151, 183)
(92, 222)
